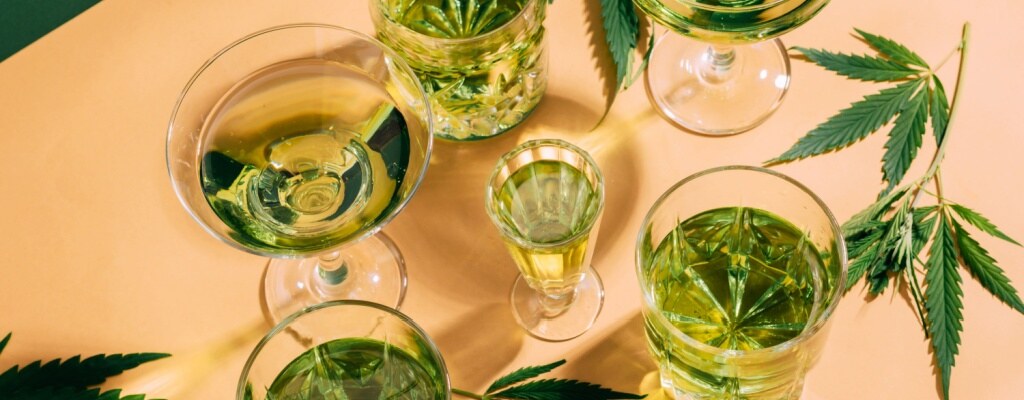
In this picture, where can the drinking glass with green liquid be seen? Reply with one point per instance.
(482, 62)
(546, 198)
(740, 269)
(345, 349)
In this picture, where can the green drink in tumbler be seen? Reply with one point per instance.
(739, 281)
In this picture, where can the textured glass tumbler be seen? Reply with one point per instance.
(345, 349)
(482, 80)
(546, 197)
(753, 310)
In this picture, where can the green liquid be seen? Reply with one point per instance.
(485, 81)
(357, 369)
(455, 19)
(302, 155)
(549, 202)
(731, 21)
(737, 279)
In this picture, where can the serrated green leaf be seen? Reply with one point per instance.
(893, 50)
(622, 31)
(3, 343)
(939, 109)
(66, 393)
(860, 265)
(924, 223)
(853, 123)
(904, 139)
(562, 389)
(73, 373)
(984, 268)
(862, 67)
(942, 299)
(523, 374)
(857, 245)
(869, 215)
(974, 218)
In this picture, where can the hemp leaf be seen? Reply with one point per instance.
(886, 240)
(622, 33)
(544, 389)
(70, 379)
(917, 97)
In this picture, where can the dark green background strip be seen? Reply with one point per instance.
(24, 21)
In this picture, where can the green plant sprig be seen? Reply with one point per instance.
(72, 379)
(886, 239)
(544, 389)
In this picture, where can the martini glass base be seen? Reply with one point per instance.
(568, 324)
(370, 270)
(716, 90)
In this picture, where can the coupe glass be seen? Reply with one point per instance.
(722, 75)
(546, 198)
(484, 64)
(300, 143)
(740, 269)
(345, 349)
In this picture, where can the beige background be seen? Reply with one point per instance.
(99, 257)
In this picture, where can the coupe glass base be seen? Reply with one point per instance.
(370, 270)
(719, 102)
(568, 324)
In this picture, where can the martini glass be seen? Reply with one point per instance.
(723, 73)
(300, 143)
(345, 350)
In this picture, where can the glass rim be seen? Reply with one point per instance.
(397, 61)
(375, 7)
(804, 335)
(286, 322)
(531, 144)
(708, 7)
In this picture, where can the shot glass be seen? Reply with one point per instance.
(345, 349)
(740, 270)
(546, 198)
(483, 63)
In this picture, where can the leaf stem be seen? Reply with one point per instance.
(941, 151)
(948, 56)
(464, 393)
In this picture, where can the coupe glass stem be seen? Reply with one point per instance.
(332, 268)
(717, 66)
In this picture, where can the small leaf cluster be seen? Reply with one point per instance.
(72, 379)
(917, 96)
(548, 389)
(622, 34)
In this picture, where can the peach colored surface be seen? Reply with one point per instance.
(99, 257)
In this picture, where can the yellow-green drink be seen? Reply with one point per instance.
(549, 203)
(483, 63)
(291, 172)
(736, 297)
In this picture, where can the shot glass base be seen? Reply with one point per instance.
(371, 270)
(728, 102)
(568, 324)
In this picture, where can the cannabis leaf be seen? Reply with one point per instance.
(622, 33)
(886, 239)
(561, 389)
(942, 297)
(523, 374)
(917, 97)
(71, 379)
(544, 389)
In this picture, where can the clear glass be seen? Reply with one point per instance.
(483, 76)
(693, 369)
(546, 198)
(722, 75)
(363, 349)
(277, 110)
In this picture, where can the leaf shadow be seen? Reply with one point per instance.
(474, 359)
(616, 361)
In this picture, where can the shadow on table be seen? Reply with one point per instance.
(620, 361)
(480, 345)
